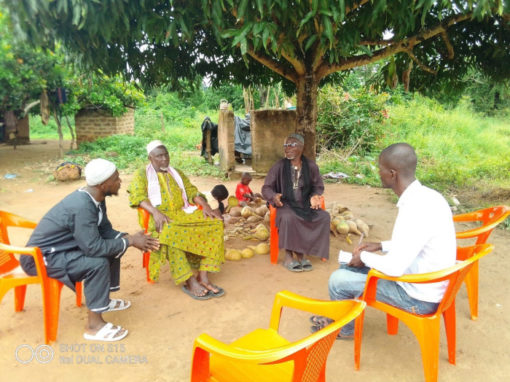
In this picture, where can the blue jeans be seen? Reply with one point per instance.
(349, 282)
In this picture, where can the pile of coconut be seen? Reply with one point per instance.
(251, 223)
(344, 223)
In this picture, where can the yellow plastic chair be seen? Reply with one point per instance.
(488, 218)
(11, 278)
(264, 355)
(424, 327)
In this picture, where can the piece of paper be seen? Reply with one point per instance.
(344, 257)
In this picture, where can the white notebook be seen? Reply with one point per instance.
(344, 257)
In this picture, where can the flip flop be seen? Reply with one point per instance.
(117, 304)
(339, 336)
(306, 265)
(294, 266)
(220, 292)
(206, 296)
(107, 333)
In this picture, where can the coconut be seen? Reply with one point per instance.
(267, 218)
(253, 218)
(342, 227)
(261, 232)
(235, 211)
(233, 255)
(353, 227)
(247, 253)
(261, 211)
(262, 249)
(362, 226)
(232, 201)
(247, 212)
(348, 215)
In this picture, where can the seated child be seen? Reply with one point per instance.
(220, 193)
(243, 192)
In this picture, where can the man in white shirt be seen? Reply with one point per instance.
(423, 240)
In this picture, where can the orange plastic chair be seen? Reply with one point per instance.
(146, 255)
(425, 327)
(489, 218)
(273, 238)
(264, 355)
(9, 278)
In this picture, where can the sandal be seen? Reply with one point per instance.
(306, 265)
(206, 296)
(220, 292)
(117, 304)
(294, 266)
(107, 333)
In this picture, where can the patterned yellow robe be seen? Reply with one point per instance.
(189, 240)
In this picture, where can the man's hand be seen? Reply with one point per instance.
(143, 241)
(277, 200)
(210, 213)
(315, 202)
(356, 261)
(206, 208)
(160, 219)
(356, 253)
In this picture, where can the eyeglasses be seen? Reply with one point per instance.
(293, 144)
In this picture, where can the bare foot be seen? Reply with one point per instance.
(195, 287)
(289, 258)
(204, 281)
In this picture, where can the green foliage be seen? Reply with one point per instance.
(99, 91)
(232, 93)
(350, 119)
(24, 71)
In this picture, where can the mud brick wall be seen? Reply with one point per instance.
(269, 128)
(94, 124)
(226, 140)
(23, 135)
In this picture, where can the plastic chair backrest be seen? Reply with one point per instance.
(309, 355)
(489, 219)
(7, 260)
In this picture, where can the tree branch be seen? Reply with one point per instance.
(273, 65)
(420, 64)
(399, 46)
(448, 44)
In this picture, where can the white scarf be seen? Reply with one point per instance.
(154, 189)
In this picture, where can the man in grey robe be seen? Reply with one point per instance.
(79, 243)
(294, 185)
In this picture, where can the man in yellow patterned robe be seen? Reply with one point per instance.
(190, 237)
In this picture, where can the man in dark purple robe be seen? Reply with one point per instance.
(294, 186)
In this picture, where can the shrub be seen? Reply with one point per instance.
(350, 120)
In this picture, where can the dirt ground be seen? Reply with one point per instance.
(163, 321)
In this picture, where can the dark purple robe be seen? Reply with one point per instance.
(295, 233)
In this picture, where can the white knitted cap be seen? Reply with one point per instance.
(98, 170)
(153, 144)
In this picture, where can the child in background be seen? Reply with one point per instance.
(243, 192)
(220, 193)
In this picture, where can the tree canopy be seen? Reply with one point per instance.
(303, 41)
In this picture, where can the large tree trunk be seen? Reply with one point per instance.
(307, 90)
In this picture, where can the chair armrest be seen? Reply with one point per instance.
(332, 309)
(35, 252)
